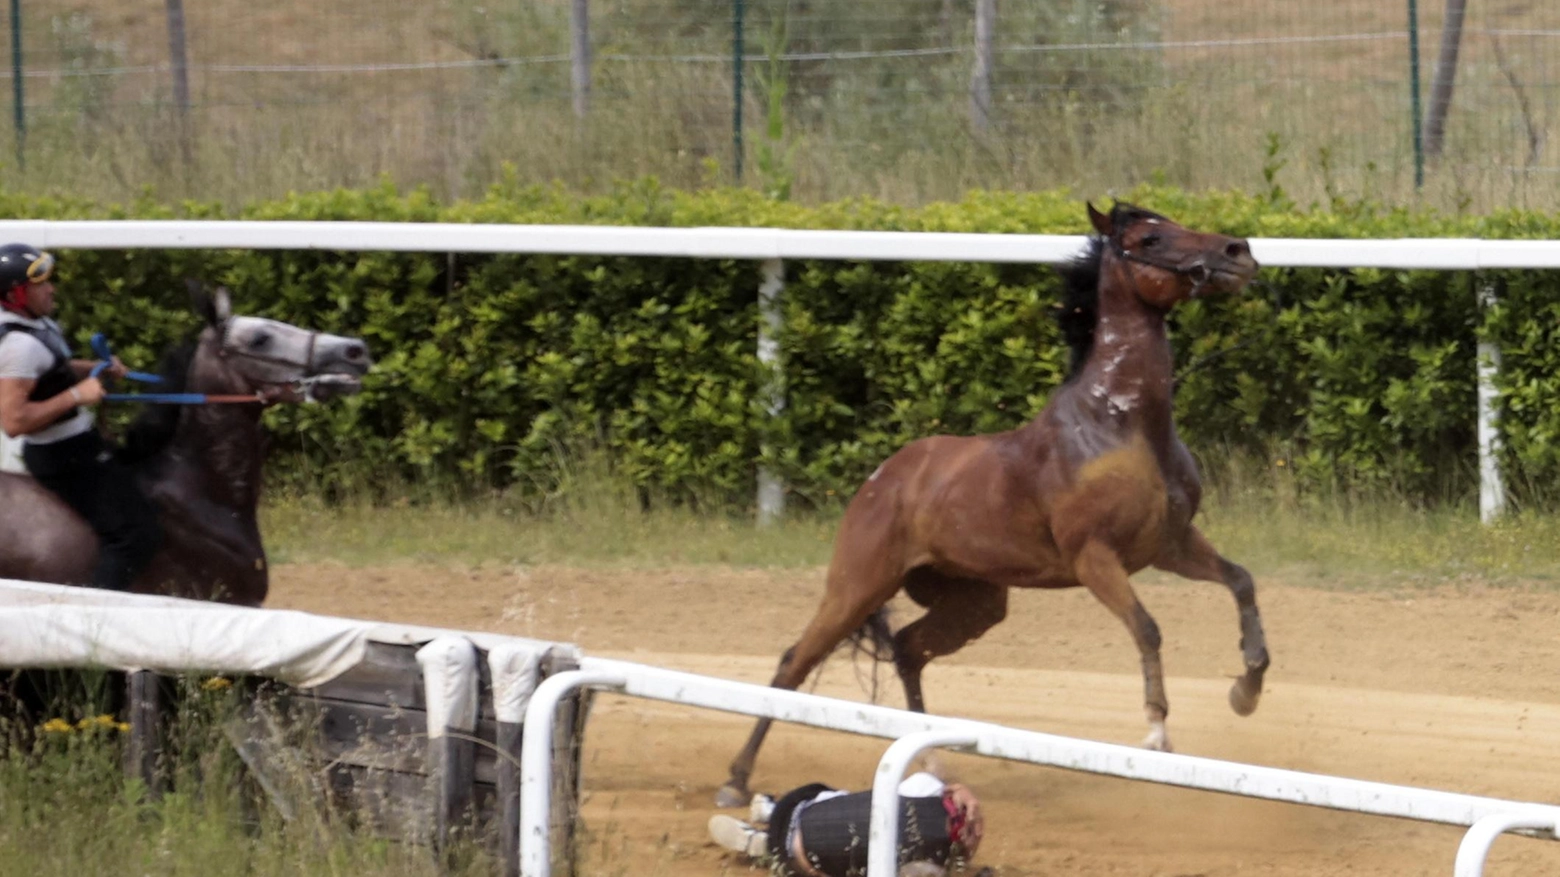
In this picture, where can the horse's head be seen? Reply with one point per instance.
(282, 362)
(1167, 263)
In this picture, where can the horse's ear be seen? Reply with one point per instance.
(222, 304)
(214, 308)
(1100, 221)
(200, 299)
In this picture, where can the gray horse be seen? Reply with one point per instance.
(199, 464)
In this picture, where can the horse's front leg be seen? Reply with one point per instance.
(1100, 569)
(1196, 558)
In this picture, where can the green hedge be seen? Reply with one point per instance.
(493, 368)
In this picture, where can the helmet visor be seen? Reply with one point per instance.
(41, 268)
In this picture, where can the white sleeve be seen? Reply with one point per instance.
(920, 785)
(23, 357)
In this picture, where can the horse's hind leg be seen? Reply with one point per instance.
(1196, 558)
(1100, 569)
(836, 618)
(957, 612)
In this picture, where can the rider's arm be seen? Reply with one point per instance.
(19, 416)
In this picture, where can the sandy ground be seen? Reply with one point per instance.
(1452, 688)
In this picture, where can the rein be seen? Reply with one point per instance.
(1197, 270)
(105, 355)
(1278, 305)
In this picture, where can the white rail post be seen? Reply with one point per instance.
(1475, 846)
(883, 838)
(450, 685)
(771, 490)
(536, 763)
(1492, 491)
(515, 669)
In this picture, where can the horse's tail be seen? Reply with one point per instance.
(875, 640)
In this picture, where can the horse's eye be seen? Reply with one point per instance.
(259, 341)
(1149, 241)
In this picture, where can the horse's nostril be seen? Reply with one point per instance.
(356, 352)
(1236, 249)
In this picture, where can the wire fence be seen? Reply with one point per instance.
(908, 100)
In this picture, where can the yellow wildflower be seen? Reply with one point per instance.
(57, 726)
(216, 683)
(104, 721)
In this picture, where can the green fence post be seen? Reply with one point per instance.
(1413, 90)
(17, 91)
(736, 85)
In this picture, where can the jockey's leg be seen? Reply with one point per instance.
(81, 472)
(127, 528)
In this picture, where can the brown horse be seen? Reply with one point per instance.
(200, 465)
(1096, 487)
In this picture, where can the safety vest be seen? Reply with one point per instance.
(60, 377)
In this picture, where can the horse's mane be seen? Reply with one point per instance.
(153, 428)
(1079, 310)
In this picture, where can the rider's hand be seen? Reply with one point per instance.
(116, 369)
(974, 820)
(88, 392)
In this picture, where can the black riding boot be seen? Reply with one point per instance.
(82, 472)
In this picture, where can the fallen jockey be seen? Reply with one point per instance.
(818, 831)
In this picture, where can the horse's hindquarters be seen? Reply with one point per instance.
(44, 540)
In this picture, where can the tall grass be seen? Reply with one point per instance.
(67, 810)
(458, 146)
(661, 101)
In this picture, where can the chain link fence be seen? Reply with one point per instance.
(907, 100)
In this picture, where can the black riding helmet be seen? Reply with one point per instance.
(21, 263)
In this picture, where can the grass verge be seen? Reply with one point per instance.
(67, 809)
(1345, 540)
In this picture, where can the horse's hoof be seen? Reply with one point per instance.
(729, 796)
(1244, 700)
(1158, 739)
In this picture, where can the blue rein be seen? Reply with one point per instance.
(105, 355)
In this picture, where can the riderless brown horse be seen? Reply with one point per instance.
(199, 464)
(1096, 487)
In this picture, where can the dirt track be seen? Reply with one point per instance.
(1453, 689)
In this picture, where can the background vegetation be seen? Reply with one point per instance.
(492, 369)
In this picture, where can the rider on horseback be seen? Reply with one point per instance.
(45, 396)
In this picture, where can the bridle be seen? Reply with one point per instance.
(1198, 270)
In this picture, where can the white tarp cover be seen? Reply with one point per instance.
(54, 626)
(449, 667)
(516, 671)
(301, 649)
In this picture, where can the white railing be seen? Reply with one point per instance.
(773, 245)
(1435, 254)
(1487, 817)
